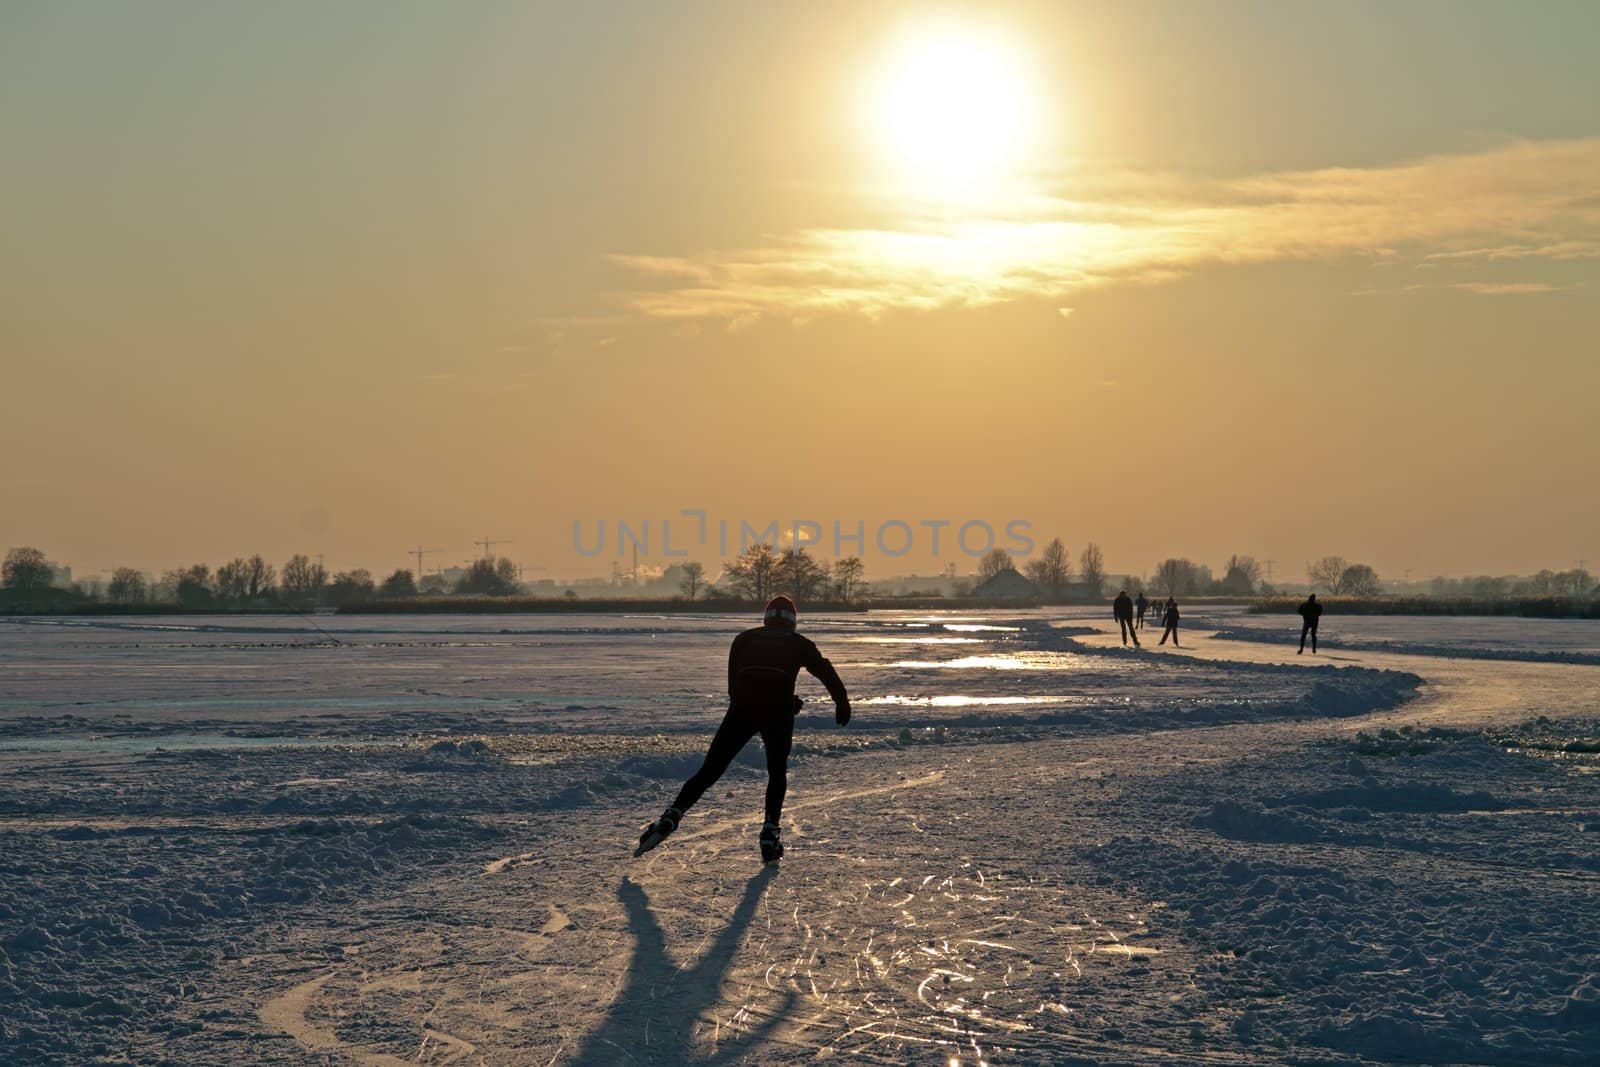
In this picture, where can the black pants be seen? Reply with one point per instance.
(1308, 628)
(1127, 630)
(738, 727)
(1172, 632)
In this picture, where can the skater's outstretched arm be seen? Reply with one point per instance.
(823, 671)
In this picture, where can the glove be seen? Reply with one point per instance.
(799, 702)
(841, 714)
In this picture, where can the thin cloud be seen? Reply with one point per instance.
(1508, 288)
(1525, 200)
(1560, 250)
(1480, 288)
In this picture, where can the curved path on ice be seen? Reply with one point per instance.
(871, 943)
(1458, 690)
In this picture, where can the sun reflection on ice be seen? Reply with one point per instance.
(1018, 661)
(954, 701)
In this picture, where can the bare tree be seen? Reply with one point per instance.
(1052, 570)
(993, 562)
(352, 587)
(303, 580)
(194, 587)
(752, 572)
(26, 568)
(259, 577)
(398, 586)
(127, 586)
(487, 577)
(1092, 565)
(1178, 575)
(694, 574)
(1242, 576)
(799, 575)
(1326, 571)
(233, 581)
(1358, 579)
(1577, 582)
(847, 583)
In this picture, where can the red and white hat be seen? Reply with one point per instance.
(780, 611)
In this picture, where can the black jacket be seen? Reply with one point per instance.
(764, 663)
(1311, 611)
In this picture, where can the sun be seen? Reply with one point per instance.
(951, 110)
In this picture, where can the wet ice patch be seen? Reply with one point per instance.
(955, 700)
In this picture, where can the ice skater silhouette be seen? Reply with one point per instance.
(1171, 620)
(1122, 608)
(762, 666)
(1310, 615)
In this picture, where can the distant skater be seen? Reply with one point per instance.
(762, 666)
(1171, 620)
(1310, 615)
(1140, 606)
(1122, 609)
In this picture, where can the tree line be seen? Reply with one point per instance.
(755, 574)
(253, 582)
(1242, 576)
(1575, 583)
(1052, 572)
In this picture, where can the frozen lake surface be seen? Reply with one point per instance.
(384, 840)
(288, 677)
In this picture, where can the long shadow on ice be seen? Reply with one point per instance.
(654, 1016)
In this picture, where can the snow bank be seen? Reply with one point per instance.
(1411, 647)
(1391, 915)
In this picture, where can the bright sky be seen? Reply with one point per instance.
(1183, 279)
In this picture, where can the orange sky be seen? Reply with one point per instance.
(1272, 279)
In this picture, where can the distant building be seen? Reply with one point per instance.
(1008, 585)
(915, 585)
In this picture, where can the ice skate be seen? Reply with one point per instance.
(771, 847)
(658, 831)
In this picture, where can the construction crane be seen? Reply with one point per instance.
(488, 544)
(419, 552)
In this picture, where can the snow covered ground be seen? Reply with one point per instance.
(407, 840)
